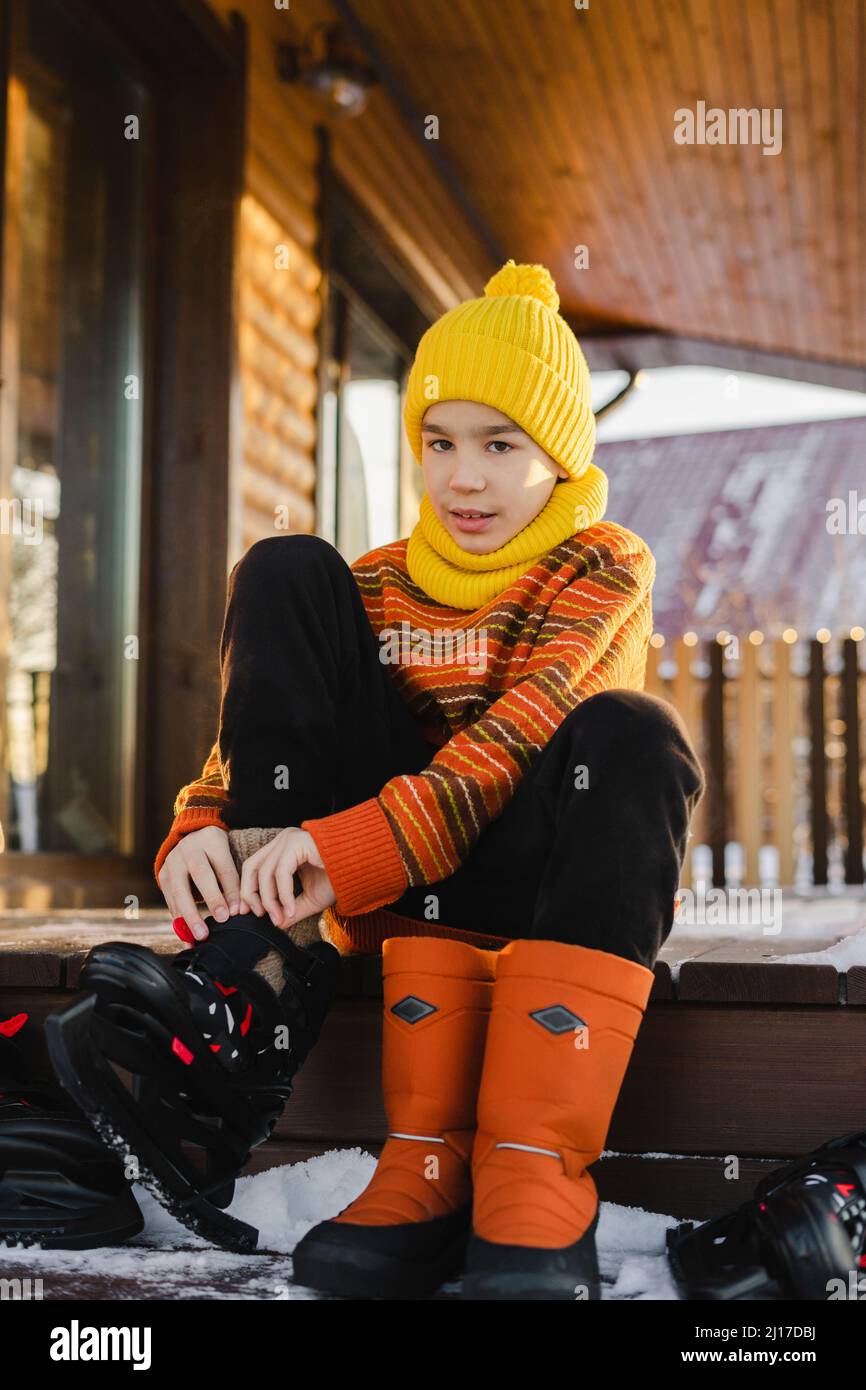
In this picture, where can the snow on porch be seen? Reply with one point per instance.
(167, 1262)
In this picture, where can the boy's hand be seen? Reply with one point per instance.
(202, 858)
(267, 879)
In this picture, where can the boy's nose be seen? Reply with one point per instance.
(466, 479)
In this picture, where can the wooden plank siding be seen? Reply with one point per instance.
(281, 280)
(279, 314)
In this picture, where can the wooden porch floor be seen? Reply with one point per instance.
(753, 1045)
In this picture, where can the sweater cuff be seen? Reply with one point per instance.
(360, 856)
(194, 819)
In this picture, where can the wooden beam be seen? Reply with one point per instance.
(195, 437)
(817, 763)
(717, 815)
(748, 781)
(853, 755)
(783, 761)
(686, 696)
(13, 111)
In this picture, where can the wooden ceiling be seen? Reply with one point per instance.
(559, 125)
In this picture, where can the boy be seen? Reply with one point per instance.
(529, 799)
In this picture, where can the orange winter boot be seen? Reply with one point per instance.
(407, 1231)
(562, 1027)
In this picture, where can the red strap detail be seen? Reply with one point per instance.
(230, 989)
(9, 1026)
(215, 1047)
(181, 1050)
(245, 1025)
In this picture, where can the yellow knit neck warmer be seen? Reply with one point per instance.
(460, 579)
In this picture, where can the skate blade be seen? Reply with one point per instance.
(702, 1273)
(90, 1081)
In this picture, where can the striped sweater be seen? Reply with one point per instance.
(489, 688)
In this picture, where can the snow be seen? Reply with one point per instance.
(167, 1261)
(850, 950)
(840, 920)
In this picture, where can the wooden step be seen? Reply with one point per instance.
(747, 1055)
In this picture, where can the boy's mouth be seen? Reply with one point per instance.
(470, 519)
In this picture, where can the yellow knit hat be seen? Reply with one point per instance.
(512, 350)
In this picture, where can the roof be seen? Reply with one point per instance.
(738, 522)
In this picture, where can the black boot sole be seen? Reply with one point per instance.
(522, 1273)
(408, 1261)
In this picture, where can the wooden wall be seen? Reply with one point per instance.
(281, 281)
(279, 314)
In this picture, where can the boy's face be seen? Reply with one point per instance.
(477, 460)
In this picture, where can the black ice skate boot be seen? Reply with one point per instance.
(800, 1236)
(60, 1187)
(211, 1040)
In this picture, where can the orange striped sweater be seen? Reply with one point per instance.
(577, 622)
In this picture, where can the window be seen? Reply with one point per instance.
(368, 486)
(366, 425)
(70, 481)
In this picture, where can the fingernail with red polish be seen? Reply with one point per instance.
(182, 930)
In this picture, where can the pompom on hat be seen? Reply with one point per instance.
(510, 349)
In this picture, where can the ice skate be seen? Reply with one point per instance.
(60, 1187)
(804, 1227)
(210, 1040)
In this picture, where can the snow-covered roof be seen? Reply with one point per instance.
(754, 528)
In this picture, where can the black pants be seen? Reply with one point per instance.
(590, 847)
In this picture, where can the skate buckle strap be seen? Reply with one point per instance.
(302, 964)
(310, 967)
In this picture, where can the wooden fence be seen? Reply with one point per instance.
(778, 727)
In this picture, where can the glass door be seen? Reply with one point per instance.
(77, 144)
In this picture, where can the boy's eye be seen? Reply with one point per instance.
(503, 443)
